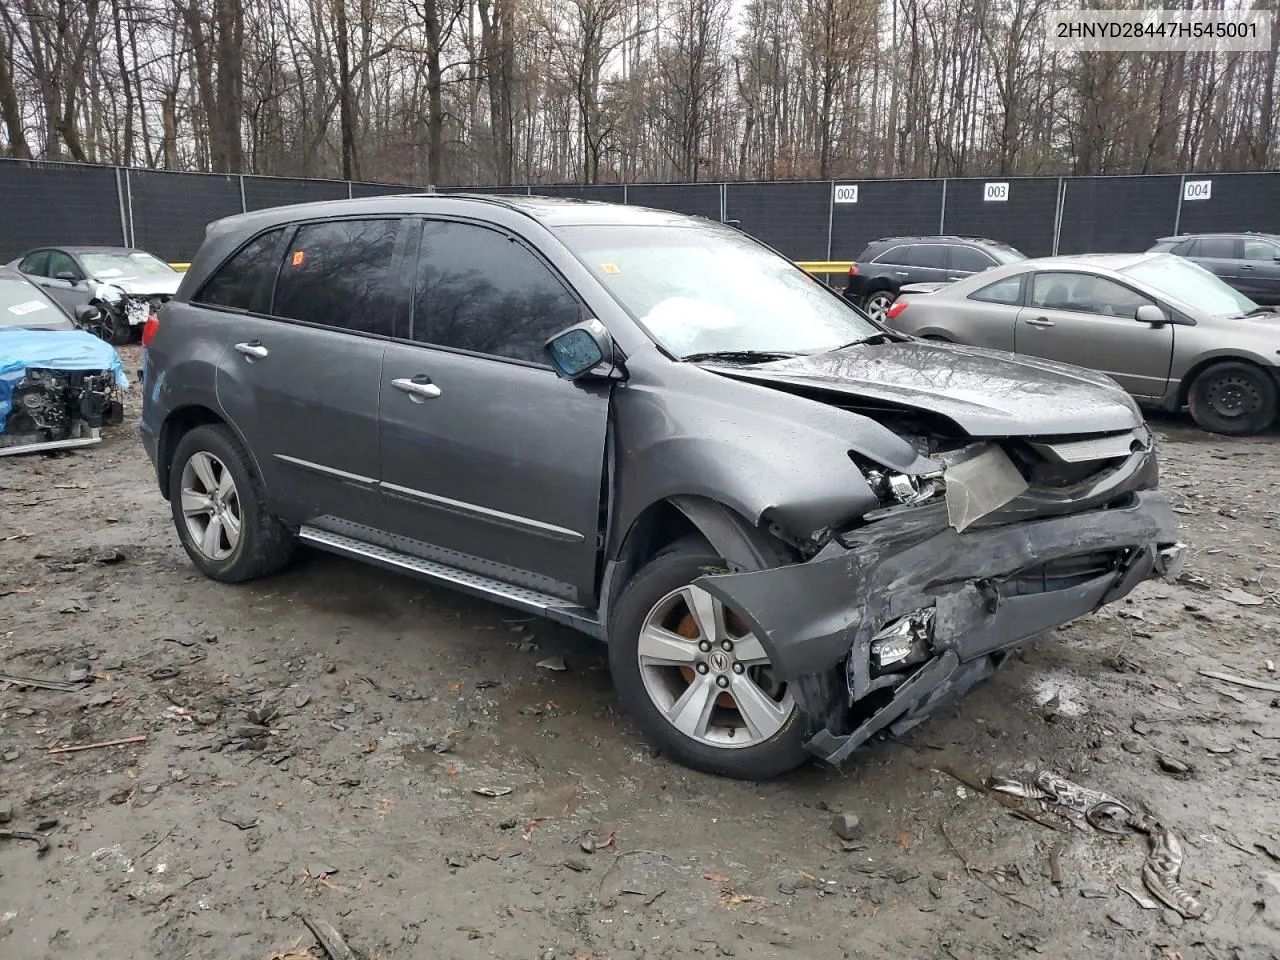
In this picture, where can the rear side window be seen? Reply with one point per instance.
(237, 282)
(37, 264)
(928, 255)
(1216, 248)
(1007, 291)
(481, 291)
(339, 274)
(1183, 249)
(969, 259)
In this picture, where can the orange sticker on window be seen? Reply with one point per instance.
(298, 257)
(610, 268)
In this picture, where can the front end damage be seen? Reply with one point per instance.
(923, 599)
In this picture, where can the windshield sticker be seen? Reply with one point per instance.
(298, 257)
(610, 268)
(29, 306)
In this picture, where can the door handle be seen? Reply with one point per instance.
(418, 388)
(901, 273)
(1040, 322)
(1245, 266)
(956, 276)
(254, 350)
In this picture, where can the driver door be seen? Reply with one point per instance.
(1088, 320)
(70, 293)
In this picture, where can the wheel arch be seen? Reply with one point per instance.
(674, 518)
(1204, 363)
(177, 425)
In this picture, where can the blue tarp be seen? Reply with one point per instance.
(51, 350)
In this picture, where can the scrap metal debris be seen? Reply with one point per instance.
(327, 936)
(61, 686)
(1107, 814)
(1242, 681)
(41, 841)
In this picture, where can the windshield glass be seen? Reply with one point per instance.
(1192, 284)
(1005, 253)
(703, 290)
(121, 263)
(22, 304)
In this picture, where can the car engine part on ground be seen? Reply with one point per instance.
(1164, 861)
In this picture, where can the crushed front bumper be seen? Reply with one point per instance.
(989, 589)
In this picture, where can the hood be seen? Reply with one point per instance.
(988, 393)
(145, 286)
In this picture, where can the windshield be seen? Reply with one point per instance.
(1005, 253)
(1192, 284)
(699, 290)
(120, 263)
(23, 305)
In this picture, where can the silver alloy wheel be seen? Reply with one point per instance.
(878, 304)
(707, 674)
(211, 506)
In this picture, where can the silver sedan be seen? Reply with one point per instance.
(1167, 330)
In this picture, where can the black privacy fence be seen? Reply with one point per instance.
(166, 212)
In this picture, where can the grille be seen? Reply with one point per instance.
(1062, 574)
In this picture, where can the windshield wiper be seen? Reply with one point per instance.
(1255, 311)
(875, 339)
(740, 356)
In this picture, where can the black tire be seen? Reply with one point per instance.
(119, 332)
(1233, 398)
(264, 544)
(678, 566)
(877, 302)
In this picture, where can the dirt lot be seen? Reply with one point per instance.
(398, 704)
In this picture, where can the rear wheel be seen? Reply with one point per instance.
(220, 510)
(1233, 398)
(877, 303)
(695, 679)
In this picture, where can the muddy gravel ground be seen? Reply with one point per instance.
(342, 744)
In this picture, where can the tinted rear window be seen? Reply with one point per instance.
(338, 274)
(238, 281)
(928, 255)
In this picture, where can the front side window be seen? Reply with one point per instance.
(1007, 291)
(1261, 250)
(339, 274)
(708, 289)
(1085, 293)
(237, 282)
(482, 291)
(62, 267)
(969, 260)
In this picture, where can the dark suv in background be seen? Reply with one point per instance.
(888, 264)
(793, 536)
(1250, 262)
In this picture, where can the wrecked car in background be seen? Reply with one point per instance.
(795, 528)
(58, 385)
(126, 285)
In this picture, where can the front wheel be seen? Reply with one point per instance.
(1233, 398)
(877, 303)
(694, 678)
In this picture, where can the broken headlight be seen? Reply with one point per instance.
(894, 488)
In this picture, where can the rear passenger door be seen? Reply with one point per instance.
(966, 261)
(1216, 254)
(1260, 269)
(491, 462)
(927, 263)
(300, 373)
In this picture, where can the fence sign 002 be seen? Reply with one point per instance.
(845, 193)
(1197, 189)
(995, 191)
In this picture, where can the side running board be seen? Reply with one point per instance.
(476, 584)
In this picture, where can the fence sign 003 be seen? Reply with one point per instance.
(1197, 189)
(845, 193)
(995, 191)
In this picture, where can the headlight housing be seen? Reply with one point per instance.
(892, 487)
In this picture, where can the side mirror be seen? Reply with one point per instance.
(87, 315)
(581, 350)
(66, 275)
(1150, 313)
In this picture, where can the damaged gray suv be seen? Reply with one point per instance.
(794, 528)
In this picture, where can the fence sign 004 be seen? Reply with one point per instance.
(995, 191)
(845, 193)
(1197, 189)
